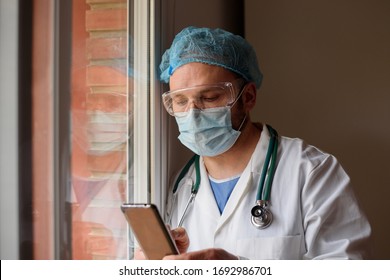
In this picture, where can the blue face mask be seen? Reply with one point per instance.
(207, 132)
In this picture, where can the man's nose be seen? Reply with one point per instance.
(193, 104)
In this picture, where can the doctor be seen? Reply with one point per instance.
(312, 211)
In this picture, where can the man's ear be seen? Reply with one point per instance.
(249, 96)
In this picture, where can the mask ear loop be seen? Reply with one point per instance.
(242, 123)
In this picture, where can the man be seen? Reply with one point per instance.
(213, 77)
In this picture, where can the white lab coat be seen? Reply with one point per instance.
(315, 213)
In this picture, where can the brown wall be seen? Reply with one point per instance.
(326, 68)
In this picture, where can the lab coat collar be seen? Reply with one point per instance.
(244, 185)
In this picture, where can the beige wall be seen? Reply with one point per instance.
(326, 68)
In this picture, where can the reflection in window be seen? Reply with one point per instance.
(101, 165)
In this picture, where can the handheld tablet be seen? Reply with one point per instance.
(149, 230)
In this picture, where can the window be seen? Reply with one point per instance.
(101, 91)
(92, 79)
(111, 99)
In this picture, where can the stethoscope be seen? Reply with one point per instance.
(261, 216)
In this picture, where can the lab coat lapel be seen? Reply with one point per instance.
(249, 179)
(206, 196)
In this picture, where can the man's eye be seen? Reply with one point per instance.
(210, 99)
(213, 96)
(180, 101)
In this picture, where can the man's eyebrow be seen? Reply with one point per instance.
(189, 92)
(206, 90)
(197, 91)
(180, 95)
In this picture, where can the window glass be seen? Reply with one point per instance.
(76, 205)
(101, 122)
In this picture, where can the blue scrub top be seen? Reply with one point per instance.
(222, 190)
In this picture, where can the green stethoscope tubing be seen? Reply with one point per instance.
(269, 165)
(195, 187)
(263, 193)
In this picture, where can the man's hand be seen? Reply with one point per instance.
(183, 242)
(181, 239)
(207, 254)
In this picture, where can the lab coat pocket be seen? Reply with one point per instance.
(279, 248)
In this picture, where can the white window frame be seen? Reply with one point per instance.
(150, 120)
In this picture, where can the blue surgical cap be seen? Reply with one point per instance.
(211, 46)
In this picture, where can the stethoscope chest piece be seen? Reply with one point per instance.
(261, 216)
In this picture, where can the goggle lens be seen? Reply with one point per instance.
(201, 97)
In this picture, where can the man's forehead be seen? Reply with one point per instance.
(198, 91)
(195, 74)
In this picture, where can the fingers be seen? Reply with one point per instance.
(198, 255)
(181, 239)
(179, 233)
(207, 254)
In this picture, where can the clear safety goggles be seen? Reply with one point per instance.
(201, 97)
